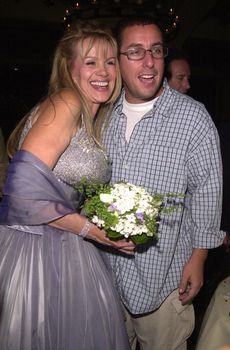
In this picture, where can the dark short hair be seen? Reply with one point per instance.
(131, 21)
(174, 54)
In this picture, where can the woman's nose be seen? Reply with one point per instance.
(102, 70)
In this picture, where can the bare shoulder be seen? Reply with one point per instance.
(64, 105)
(55, 122)
(68, 97)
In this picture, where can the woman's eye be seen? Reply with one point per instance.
(89, 63)
(111, 62)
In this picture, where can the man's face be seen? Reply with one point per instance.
(142, 79)
(180, 76)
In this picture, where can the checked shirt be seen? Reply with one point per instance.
(173, 148)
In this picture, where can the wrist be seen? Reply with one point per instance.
(85, 229)
(199, 254)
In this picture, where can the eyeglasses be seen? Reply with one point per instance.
(138, 53)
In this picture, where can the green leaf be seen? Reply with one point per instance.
(140, 239)
(113, 234)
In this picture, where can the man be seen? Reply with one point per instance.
(166, 142)
(177, 71)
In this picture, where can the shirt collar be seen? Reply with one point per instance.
(164, 100)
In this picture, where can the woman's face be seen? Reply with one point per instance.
(95, 73)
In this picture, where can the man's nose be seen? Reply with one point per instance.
(149, 60)
(187, 83)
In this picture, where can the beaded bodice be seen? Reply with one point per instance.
(81, 159)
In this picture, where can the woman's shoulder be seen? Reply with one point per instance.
(62, 105)
(67, 96)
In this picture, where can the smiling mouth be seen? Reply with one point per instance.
(147, 76)
(99, 83)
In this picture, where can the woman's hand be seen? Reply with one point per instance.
(100, 236)
(76, 224)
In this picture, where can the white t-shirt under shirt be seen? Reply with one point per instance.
(134, 113)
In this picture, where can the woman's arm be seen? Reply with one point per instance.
(52, 130)
(75, 223)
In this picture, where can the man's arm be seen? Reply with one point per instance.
(204, 205)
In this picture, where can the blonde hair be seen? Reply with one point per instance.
(61, 77)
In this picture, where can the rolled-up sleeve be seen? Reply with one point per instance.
(205, 192)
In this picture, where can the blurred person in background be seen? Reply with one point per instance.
(177, 70)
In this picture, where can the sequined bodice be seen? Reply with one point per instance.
(82, 159)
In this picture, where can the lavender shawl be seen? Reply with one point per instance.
(32, 193)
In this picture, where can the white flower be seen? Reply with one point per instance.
(106, 198)
(126, 209)
(97, 221)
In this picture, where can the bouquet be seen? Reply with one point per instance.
(124, 210)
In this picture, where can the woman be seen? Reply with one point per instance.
(55, 290)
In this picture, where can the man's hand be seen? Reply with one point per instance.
(192, 276)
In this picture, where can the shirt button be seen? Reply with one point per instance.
(125, 166)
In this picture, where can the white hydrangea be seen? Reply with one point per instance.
(131, 205)
(106, 198)
(100, 223)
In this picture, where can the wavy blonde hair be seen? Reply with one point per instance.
(61, 77)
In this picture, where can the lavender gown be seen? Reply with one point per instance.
(56, 292)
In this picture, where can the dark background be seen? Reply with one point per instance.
(30, 30)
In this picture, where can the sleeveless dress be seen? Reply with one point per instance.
(56, 291)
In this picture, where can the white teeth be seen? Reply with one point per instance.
(99, 83)
(147, 76)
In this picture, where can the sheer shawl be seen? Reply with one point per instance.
(32, 193)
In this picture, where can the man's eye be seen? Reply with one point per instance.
(134, 52)
(158, 50)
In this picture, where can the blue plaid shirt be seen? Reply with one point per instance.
(173, 148)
